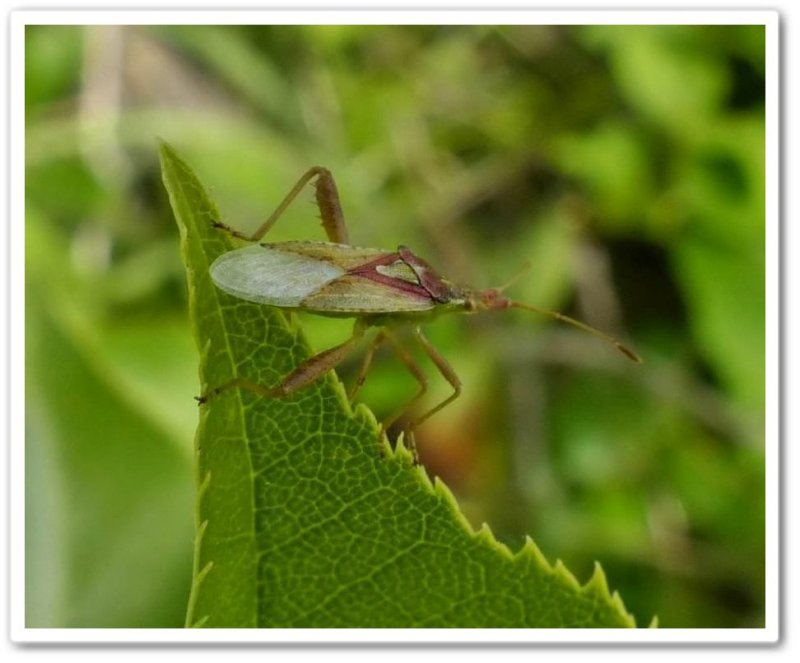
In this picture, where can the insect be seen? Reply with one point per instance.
(379, 288)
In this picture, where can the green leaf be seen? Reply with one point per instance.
(306, 518)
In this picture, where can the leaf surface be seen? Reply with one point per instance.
(306, 518)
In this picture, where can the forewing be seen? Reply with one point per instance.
(344, 256)
(268, 275)
(356, 294)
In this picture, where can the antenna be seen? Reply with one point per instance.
(630, 354)
(525, 268)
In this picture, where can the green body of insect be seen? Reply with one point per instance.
(380, 288)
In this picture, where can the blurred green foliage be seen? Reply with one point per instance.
(626, 163)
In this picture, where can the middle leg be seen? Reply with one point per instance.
(447, 372)
(366, 364)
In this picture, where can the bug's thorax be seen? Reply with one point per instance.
(405, 270)
(438, 288)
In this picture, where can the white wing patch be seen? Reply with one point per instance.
(269, 276)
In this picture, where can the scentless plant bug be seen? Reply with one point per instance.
(379, 288)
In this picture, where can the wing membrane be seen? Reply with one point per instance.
(267, 275)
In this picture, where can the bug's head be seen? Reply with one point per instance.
(493, 299)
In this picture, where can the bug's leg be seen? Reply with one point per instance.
(330, 208)
(306, 373)
(319, 364)
(379, 340)
(447, 372)
(235, 383)
(327, 200)
(411, 364)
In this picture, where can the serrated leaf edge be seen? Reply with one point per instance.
(198, 574)
(596, 585)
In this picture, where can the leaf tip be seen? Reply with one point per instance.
(165, 149)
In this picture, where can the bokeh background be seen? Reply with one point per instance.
(626, 164)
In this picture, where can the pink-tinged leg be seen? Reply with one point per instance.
(330, 208)
(315, 367)
(236, 383)
(366, 364)
(447, 372)
(305, 374)
(327, 200)
(411, 364)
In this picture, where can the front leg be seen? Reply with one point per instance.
(330, 208)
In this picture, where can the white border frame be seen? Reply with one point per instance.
(18, 631)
